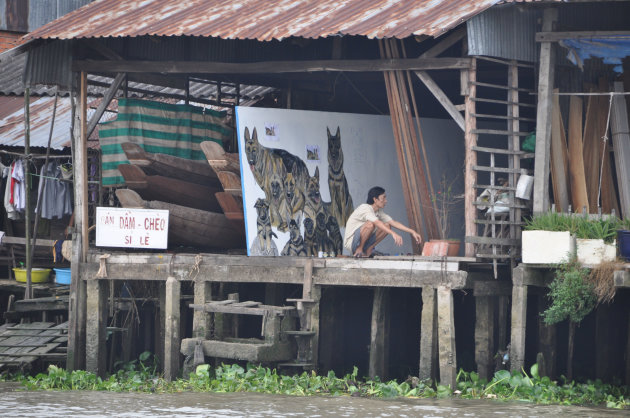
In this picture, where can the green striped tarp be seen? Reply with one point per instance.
(158, 128)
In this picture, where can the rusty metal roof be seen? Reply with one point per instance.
(263, 20)
(40, 113)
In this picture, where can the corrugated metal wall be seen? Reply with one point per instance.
(50, 64)
(507, 31)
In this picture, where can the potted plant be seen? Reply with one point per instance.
(595, 240)
(623, 239)
(444, 201)
(547, 238)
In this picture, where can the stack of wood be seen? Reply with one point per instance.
(188, 189)
(581, 169)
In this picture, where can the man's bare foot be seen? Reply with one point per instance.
(358, 254)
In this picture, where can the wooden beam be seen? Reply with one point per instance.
(192, 67)
(445, 43)
(547, 36)
(107, 98)
(379, 334)
(470, 176)
(446, 337)
(442, 98)
(543, 117)
(172, 339)
(96, 334)
(427, 330)
(547, 337)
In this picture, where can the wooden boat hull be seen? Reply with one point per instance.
(233, 210)
(170, 166)
(170, 190)
(188, 226)
(220, 160)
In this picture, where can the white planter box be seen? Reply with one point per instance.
(547, 247)
(595, 251)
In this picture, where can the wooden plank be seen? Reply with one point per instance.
(231, 183)
(201, 321)
(543, 117)
(621, 145)
(579, 196)
(591, 154)
(269, 67)
(548, 36)
(22, 241)
(220, 160)
(559, 164)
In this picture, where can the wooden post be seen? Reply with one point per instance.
(28, 292)
(543, 116)
(470, 176)
(379, 334)
(332, 332)
(628, 353)
(547, 342)
(77, 304)
(519, 311)
(201, 320)
(96, 335)
(446, 336)
(160, 319)
(172, 339)
(427, 327)
(316, 295)
(602, 342)
(484, 335)
(503, 324)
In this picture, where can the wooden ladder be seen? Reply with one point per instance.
(501, 231)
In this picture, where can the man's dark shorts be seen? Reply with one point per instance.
(356, 240)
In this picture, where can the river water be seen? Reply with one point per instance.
(16, 403)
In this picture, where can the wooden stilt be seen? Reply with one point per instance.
(172, 338)
(503, 321)
(602, 342)
(446, 336)
(201, 320)
(547, 342)
(628, 353)
(484, 336)
(96, 349)
(379, 334)
(316, 295)
(427, 328)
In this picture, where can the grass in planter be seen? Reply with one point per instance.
(141, 376)
(579, 226)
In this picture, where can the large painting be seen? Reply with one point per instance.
(304, 172)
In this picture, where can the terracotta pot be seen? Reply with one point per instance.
(441, 248)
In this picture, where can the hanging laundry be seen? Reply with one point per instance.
(12, 212)
(56, 197)
(18, 196)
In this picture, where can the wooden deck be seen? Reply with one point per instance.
(22, 344)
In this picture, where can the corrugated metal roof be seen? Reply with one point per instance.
(263, 20)
(41, 111)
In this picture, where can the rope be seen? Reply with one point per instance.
(604, 138)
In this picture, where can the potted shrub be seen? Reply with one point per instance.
(595, 240)
(547, 238)
(444, 201)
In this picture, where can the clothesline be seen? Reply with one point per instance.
(33, 156)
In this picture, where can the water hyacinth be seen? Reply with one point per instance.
(141, 376)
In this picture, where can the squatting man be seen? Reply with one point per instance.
(368, 225)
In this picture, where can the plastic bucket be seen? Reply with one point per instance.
(623, 243)
(62, 276)
(38, 275)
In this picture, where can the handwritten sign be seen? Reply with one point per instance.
(131, 228)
